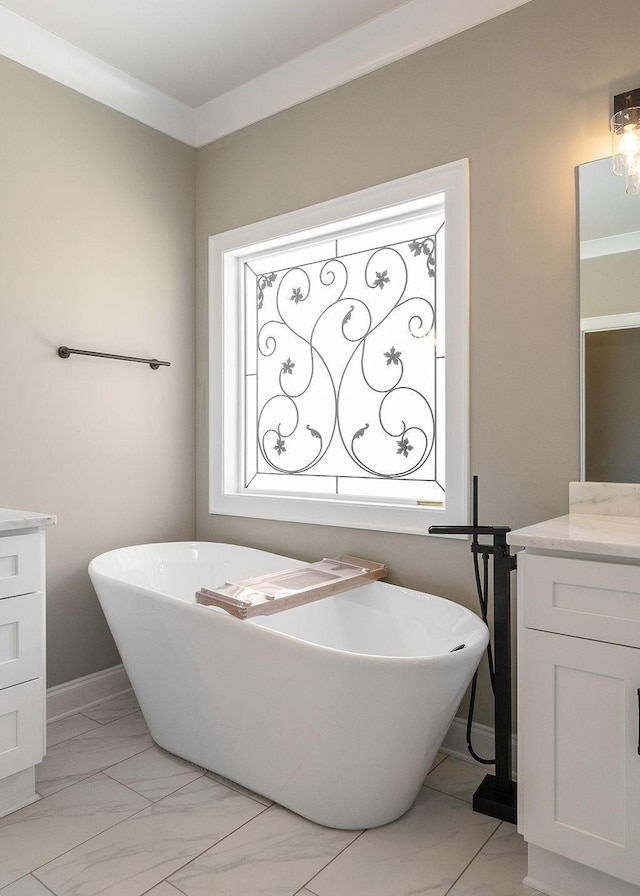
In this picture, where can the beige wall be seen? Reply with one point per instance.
(96, 252)
(526, 98)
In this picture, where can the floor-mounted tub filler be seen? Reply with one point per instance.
(335, 709)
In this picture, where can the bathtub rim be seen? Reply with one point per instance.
(253, 624)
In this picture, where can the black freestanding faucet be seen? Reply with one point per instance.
(496, 795)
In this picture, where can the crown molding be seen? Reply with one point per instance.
(398, 33)
(610, 245)
(50, 55)
(392, 36)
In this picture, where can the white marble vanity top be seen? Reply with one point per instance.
(583, 533)
(603, 518)
(23, 519)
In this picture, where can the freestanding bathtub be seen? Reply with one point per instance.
(335, 709)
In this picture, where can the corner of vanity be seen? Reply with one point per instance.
(22, 655)
(579, 694)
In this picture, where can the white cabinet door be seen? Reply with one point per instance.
(579, 716)
(20, 567)
(20, 639)
(20, 727)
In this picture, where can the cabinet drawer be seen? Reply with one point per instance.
(20, 564)
(20, 727)
(20, 639)
(584, 598)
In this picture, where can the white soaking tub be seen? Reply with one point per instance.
(335, 709)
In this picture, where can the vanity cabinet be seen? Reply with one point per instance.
(579, 720)
(22, 656)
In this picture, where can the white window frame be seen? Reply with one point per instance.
(225, 365)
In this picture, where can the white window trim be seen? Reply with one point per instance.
(224, 366)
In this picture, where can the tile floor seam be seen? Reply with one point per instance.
(120, 718)
(108, 721)
(170, 884)
(96, 771)
(245, 794)
(17, 881)
(82, 842)
(96, 723)
(172, 793)
(72, 736)
(445, 793)
(232, 785)
(164, 879)
(305, 889)
(324, 867)
(215, 842)
(472, 860)
(152, 802)
(24, 877)
(104, 771)
(302, 890)
(48, 889)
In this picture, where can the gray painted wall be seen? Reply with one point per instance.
(97, 252)
(526, 98)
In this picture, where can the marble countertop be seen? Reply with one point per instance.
(583, 533)
(23, 519)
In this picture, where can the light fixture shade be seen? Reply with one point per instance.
(625, 135)
(633, 184)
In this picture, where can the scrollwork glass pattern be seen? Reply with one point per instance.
(344, 366)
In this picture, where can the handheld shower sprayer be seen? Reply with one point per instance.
(496, 795)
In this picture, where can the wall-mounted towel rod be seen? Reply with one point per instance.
(153, 363)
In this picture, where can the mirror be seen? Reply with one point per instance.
(609, 234)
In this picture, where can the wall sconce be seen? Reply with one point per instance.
(625, 134)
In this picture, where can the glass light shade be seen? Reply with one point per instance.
(633, 184)
(625, 133)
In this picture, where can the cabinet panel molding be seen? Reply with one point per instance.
(583, 598)
(20, 727)
(20, 566)
(22, 655)
(20, 639)
(579, 714)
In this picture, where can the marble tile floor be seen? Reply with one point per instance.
(121, 817)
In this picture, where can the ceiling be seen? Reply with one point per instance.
(200, 68)
(194, 50)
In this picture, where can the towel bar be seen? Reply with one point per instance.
(64, 352)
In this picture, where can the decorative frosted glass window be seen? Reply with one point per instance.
(335, 398)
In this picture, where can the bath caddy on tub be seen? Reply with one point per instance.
(287, 588)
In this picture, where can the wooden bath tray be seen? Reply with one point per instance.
(287, 588)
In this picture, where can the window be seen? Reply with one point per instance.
(333, 397)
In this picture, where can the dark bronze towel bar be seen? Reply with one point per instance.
(153, 363)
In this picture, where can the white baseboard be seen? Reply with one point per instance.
(81, 693)
(557, 875)
(482, 737)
